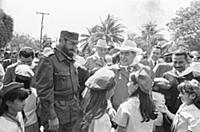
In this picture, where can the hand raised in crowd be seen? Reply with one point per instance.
(54, 125)
(162, 108)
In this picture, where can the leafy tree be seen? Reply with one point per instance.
(6, 28)
(19, 40)
(186, 26)
(150, 36)
(110, 29)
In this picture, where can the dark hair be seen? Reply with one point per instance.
(181, 52)
(94, 109)
(37, 53)
(157, 47)
(26, 52)
(147, 106)
(12, 95)
(116, 58)
(188, 87)
(25, 80)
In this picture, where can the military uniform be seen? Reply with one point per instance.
(96, 61)
(57, 85)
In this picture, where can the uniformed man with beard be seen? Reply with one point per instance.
(58, 85)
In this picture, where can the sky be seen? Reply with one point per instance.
(77, 15)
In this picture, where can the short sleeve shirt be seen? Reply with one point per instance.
(102, 124)
(187, 118)
(128, 115)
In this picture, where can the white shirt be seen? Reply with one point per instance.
(102, 124)
(8, 125)
(187, 118)
(128, 116)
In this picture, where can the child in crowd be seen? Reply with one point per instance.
(24, 75)
(13, 98)
(138, 112)
(187, 118)
(99, 88)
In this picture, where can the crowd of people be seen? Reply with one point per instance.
(114, 89)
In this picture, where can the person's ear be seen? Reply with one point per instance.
(192, 96)
(8, 103)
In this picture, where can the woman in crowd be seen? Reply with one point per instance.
(138, 112)
(13, 98)
(95, 105)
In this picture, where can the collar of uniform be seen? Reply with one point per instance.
(61, 55)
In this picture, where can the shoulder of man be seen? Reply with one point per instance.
(196, 74)
(6, 60)
(92, 57)
(145, 61)
(49, 53)
(12, 66)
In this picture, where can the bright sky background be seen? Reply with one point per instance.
(77, 15)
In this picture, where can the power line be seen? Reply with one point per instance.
(42, 26)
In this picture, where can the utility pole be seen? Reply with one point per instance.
(42, 26)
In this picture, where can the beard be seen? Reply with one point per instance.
(69, 52)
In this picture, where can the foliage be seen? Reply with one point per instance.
(19, 40)
(149, 37)
(110, 29)
(6, 28)
(186, 26)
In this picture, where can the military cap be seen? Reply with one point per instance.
(71, 36)
(10, 87)
(101, 80)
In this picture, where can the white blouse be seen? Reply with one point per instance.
(8, 125)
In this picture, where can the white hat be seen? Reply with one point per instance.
(24, 70)
(129, 45)
(102, 43)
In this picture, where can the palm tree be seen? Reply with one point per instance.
(88, 40)
(110, 30)
(151, 35)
